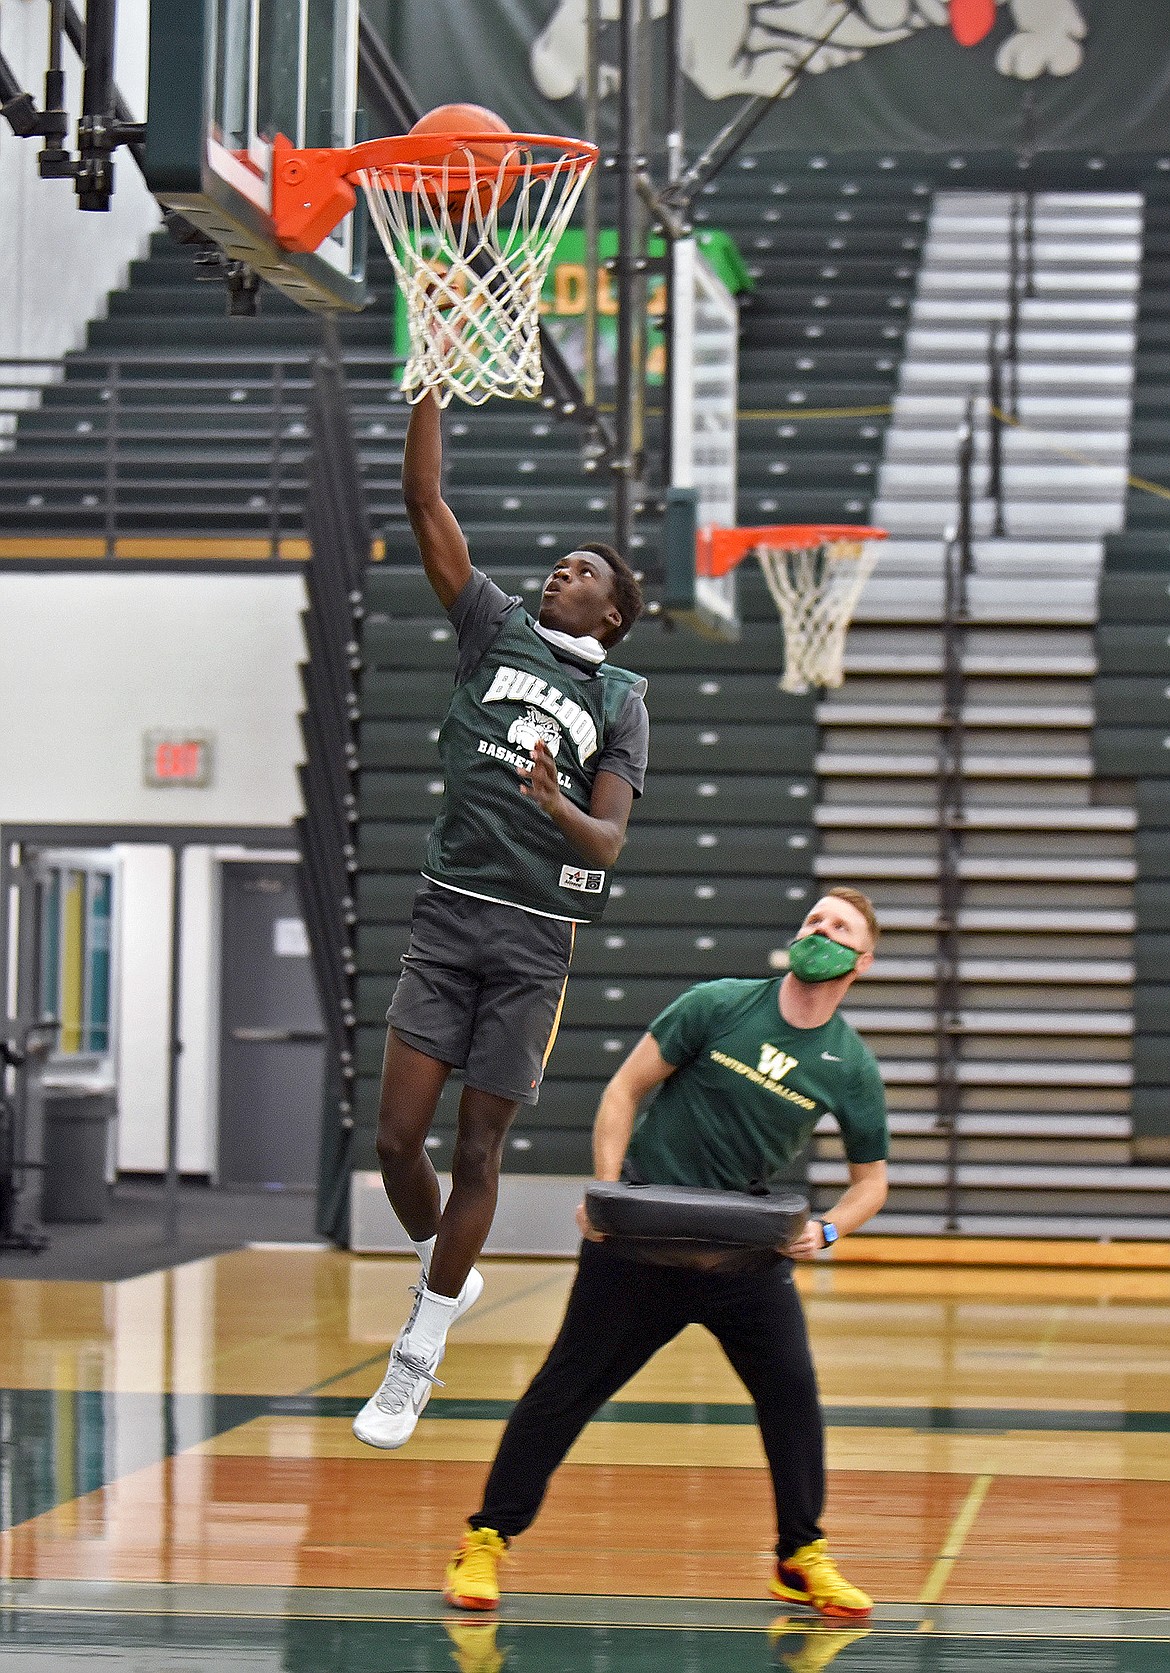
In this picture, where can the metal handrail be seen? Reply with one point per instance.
(287, 377)
(996, 422)
(338, 524)
(1003, 348)
(957, 560)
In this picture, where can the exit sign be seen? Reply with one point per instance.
(177, 758)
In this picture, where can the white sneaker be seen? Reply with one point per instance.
(394, 1409)
(388, 1417)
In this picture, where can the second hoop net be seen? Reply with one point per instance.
(815, 574)
(471, 241)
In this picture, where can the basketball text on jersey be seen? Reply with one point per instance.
(585, 882)
(523, 763)
(515, 686)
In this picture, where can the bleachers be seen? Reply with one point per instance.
(1131, 740)
(209, 419)
(833, 245)
(1045, 1020)
(207, 414)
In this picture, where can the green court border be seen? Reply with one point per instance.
(538, 1609)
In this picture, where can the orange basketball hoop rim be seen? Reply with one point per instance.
(313, 190)
(718, 551)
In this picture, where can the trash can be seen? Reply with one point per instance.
(76, 1139)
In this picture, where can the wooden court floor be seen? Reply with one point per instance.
(179, 1487)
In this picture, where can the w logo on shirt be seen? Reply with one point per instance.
(774, 1063)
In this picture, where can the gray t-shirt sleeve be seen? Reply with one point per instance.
(627, 744)
(477, 615)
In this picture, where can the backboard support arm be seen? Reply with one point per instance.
(105, 123)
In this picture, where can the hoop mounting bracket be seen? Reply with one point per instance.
(310, 193)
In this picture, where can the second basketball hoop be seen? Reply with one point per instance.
(815, 574)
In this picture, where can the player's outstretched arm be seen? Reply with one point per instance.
(868, 1188)
(643, 1070)
(441, 541)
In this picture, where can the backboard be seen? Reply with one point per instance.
(704, 377)
(227, 76)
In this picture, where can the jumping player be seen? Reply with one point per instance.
(543, 751)
(741, 1073)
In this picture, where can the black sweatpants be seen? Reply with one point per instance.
(620, 1313)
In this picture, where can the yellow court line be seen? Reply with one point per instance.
(953, 1544)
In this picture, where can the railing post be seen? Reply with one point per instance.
(113, 431)
(957, 560)
(1012, 358)
(1027, 148)
(629, 385)
(275, 463)
(946, 984)
(1029, 237)
(995, 428)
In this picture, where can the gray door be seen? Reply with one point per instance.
(272, 1054)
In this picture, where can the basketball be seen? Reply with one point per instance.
(466, 120)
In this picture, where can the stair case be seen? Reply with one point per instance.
(1047, 852)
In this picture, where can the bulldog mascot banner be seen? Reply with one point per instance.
(907, 74)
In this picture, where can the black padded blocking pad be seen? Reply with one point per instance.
(690, 1213)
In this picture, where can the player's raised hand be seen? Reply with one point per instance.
(540, 780)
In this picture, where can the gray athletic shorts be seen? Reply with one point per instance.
(481, 988)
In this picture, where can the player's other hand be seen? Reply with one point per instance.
(540, 780)
(810, 1242)
(586, 1227)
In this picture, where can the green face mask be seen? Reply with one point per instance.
(815, 958)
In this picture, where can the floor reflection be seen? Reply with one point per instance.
(180, 1644)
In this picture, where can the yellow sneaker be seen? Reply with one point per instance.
(809, 1648)
(471, 1574)
(811, 1576)
(475, 1648)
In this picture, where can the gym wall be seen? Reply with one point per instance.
(88, 664)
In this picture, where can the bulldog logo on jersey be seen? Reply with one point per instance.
(532, 727)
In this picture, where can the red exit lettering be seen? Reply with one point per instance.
(178, 760)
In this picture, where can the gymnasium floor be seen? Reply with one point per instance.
(180, 1490)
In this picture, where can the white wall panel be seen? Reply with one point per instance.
(89, 663)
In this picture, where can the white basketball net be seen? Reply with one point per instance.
(472, 271)
(816, 589)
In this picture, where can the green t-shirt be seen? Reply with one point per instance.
(749, 1088)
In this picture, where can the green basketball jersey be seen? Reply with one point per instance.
(489, 839)
(749, 1089)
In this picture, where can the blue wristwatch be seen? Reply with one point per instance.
(829, 1232)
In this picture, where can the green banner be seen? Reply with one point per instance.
(903, 74)
(565, 294)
